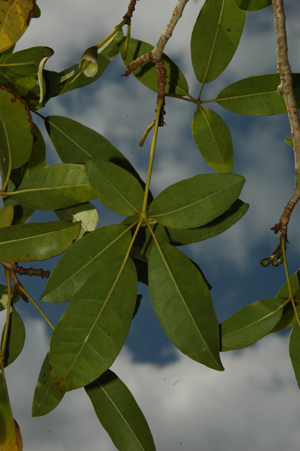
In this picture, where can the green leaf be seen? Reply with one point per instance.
(294, 350)
(147, 72)
(119, 414)
(6, 216)
(256, 96)
(36, 12)
(76, 143)
(88, 63)
(14, 20)
(45, 397)
(177, 237)
(70, 79)
(16, 128)
(250, 324)
(4, 297)
(196, 201)
(10, 436)
(289, 141)
(116, 188)
(20, 71)
(213, 139)
(288, 318)
(253, 5)
(56, 186)
(16, 338)
(92, 331)
(83, 259)
(215, 38)
(183, 306)
(34, 242)
(86, 213)
(37, 160)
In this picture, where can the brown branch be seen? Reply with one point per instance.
(130, 10)
(156, 54)
(286, 90)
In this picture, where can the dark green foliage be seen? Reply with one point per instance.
(99, 269)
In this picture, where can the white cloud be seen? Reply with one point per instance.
(253, 404)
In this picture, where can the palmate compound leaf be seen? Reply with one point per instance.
(213, 139)
(16, 128)
(56, 186)
(147, 72)
(45, 397)
(116, 188)
(119, 414)
(92, 331)
(196, 201)
(215, 38)
(16, 338)
(83, 259)
(36, 241)
(177, 237)
(257, 95)
(14, 19)
(294, 350)
(250, 324)
(10, 435)
(183, 305)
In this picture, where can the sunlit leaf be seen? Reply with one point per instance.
(256, 96)
(29, 242)
(196, 201)
(116, 188)
(92, 331)
(16, 128)
(20, 72)
(182, 303)
(70, 79)
(37, 160)
(294, 349)
(83, 259)
(119, 414)
(10, 436)
(213, 139)
(86, 213)
(88, 63)
(6, 216)
(15, 339)
(45, 397)
(215, 37)
(14, 19)
(253, 5)
(147, 72)
(250, 324)
(56, 186)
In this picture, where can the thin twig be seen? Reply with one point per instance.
(156, 55)
(286, 90)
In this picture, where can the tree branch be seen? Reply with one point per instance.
(156, 55)
(286, 90)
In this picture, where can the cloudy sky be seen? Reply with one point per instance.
(254, 404)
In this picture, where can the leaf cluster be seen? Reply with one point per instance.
(100, 268)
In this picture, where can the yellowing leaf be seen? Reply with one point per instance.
(15, 17)
(10, 435)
